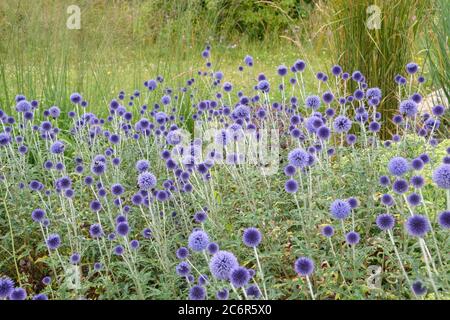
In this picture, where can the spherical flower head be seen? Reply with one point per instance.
(18, 294)
(251, 237)
(182, 253)
(312, 102)
(327, 231)
(197, 293)
(198, 240)
(438, 110)
(118, 250)
(38, 215)
(342, 124)
(75, 258)
(340, 209)
(183, 269)
(441, 176)
(53, 241)
(444, 219)
(95, 231)
(299, 65)
(327, 97)
(417, 181)
(412, 68)
(291, 186)
(200, 217)
(385, 221)
(282, 70)
(336, 70)
(239, 277)
(353, 202)
(122, 228)
(75, 98)
(352, 238)
(419, 288)
(290, 170)
(400, 186)
(298, 158)
(6, 287)
(222, 294)
(57, 147)
(264, 86)
(212, 248)
(5, 138)
(146, 180)
(323, 133)
(417, 225)
(46, 280)
(373, 93)
(248, 60)
(414, 199)
(40, 296)
(304, 266)
(398, 166)
(222, 263)
(408, 107)
(417, 164)
(117, 189)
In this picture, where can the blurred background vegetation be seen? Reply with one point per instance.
(122, 43)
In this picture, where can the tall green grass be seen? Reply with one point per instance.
(381, 53)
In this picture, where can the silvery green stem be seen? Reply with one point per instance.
(235, 291)
(391, 237)
(261, 274)
(310, 288)
(337, 262)
(427, 265)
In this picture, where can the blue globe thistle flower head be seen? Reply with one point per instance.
(352, 238)
(282, 70)
(198, 240)
(350, 138)
(203, 279)
(374, 126)
(197, 292)
(327, 231)
(117, 189)
(122, 229)
(18, 294)
(400, 186)
(419, 288)
(38, 215)
(299, 65)
(212, 248)
(200, 216)
(134, 244)
(222, 294)
(251, 237)
(417, 164)
(342, 124)
(6, 287)
(182, 253)
(336, 70)
(417, 182)
(340, 209)
(239, 277)
(327, 97)
(417, 226)
(118, 250)
(23, 106)
(248, 60)
(312, 102)
(46, 280)
(373, 93)
(290, 170)
(304, 266)
(76, 98)
(40, 296)
(53, 241)
(412, 68)
(146, 180)
(398, 166)
(441, 176)
(408, 107)
(253, 291)
(75, 258)
(298, 158)
(291, 186)
(384, 181)
(96, 231)
(54, 112)
(57, 147)
(414, 199)
(5, 139)
(444, 219)
(183, 269)
(264, 86)
(323, 133)
(222, 263)
(438, 110)
(385, 221)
